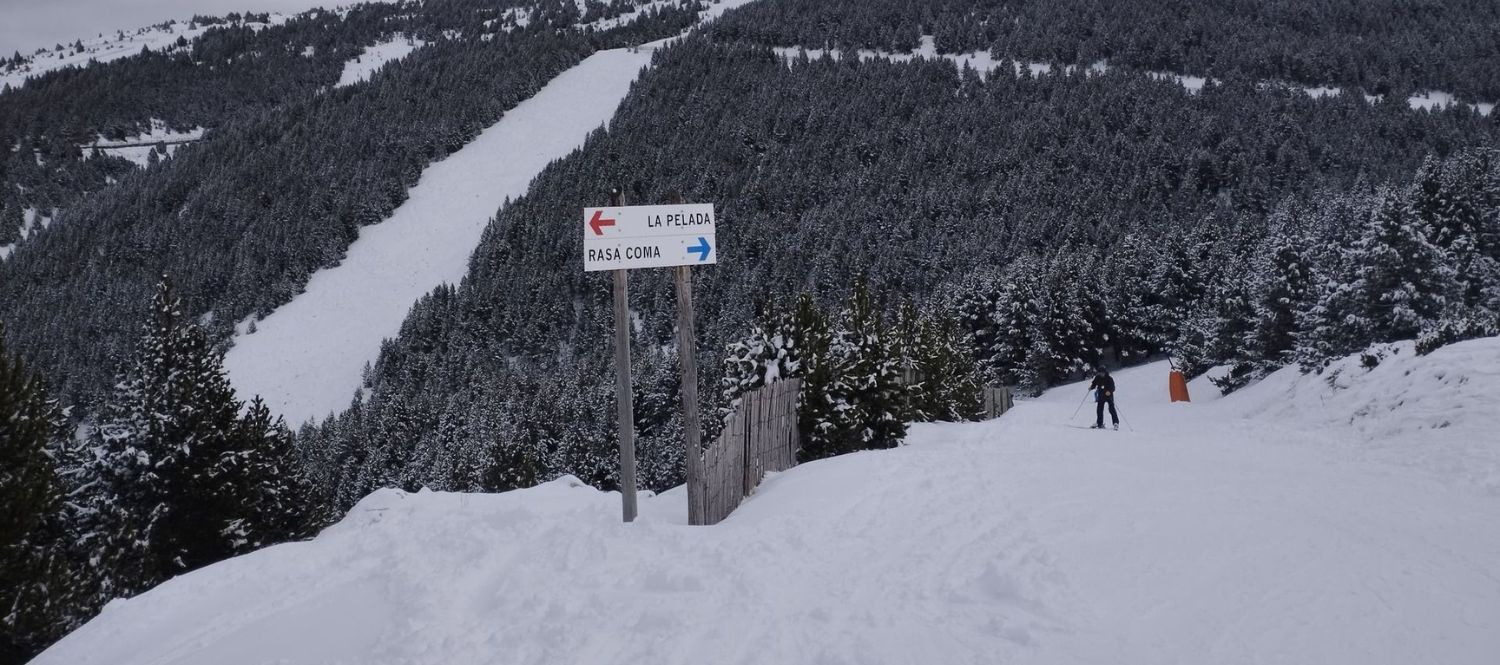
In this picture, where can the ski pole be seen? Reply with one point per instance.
(1080, 407)
(1122, 418)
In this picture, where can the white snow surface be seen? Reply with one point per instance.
(1435, 414)
(306, 359)
(375, 57)
(1257, 528)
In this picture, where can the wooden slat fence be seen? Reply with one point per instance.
(759, 437)
(997, 400)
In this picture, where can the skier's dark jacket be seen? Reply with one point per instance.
(1106, 383)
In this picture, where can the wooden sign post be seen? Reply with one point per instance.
(624, 399)
(688, 361)
(679, 236)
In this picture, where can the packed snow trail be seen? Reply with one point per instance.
(307, 357)
(1247, 529)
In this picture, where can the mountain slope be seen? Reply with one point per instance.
(278, 190)
(1203, 532)
(306, 358)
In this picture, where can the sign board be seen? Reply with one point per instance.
(623, 237)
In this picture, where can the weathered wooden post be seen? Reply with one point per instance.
(687, 358)
(624, 398)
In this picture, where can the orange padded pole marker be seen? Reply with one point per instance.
(1177, 386)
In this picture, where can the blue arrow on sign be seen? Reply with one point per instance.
(701, 248)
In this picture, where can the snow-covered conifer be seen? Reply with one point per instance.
(182, 478)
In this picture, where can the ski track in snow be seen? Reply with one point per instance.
(307, 358)
(1237, 530)
(984, 63)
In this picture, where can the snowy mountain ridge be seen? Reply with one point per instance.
(1226, 530)
(167, 36)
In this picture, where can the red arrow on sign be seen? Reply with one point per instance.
(599, 222)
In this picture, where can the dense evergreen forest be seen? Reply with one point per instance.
(1383, 46)
(238, 69)
(896, 234)
(239, 230)
(934, 184)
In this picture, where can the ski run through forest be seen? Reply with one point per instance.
(298, 362)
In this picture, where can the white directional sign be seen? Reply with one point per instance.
(649, 236)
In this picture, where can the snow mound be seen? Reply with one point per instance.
(1437, 413)
(551, 575)
(1228, 530)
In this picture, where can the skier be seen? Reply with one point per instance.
(1104, 393)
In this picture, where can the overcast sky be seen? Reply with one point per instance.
(26, 25)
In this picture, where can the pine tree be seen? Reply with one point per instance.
(1403, 280)
(951, 387)
(1458, 203)
(185, 480)
(11, 221)
(1400, 285)
(766, 355)
(1280, 291)
(906, 344)
(658, 421)
(1016, 308)
(1130, 313)
(1230, 322)
(976, 303)
(1064, 325)
(858, 405)
(1276, 293)
(39, 581)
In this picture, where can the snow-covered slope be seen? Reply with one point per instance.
(106, 45)
(1438, 414)
(1232, 530)
(30, 25)
(377, 56)
(306, 359)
